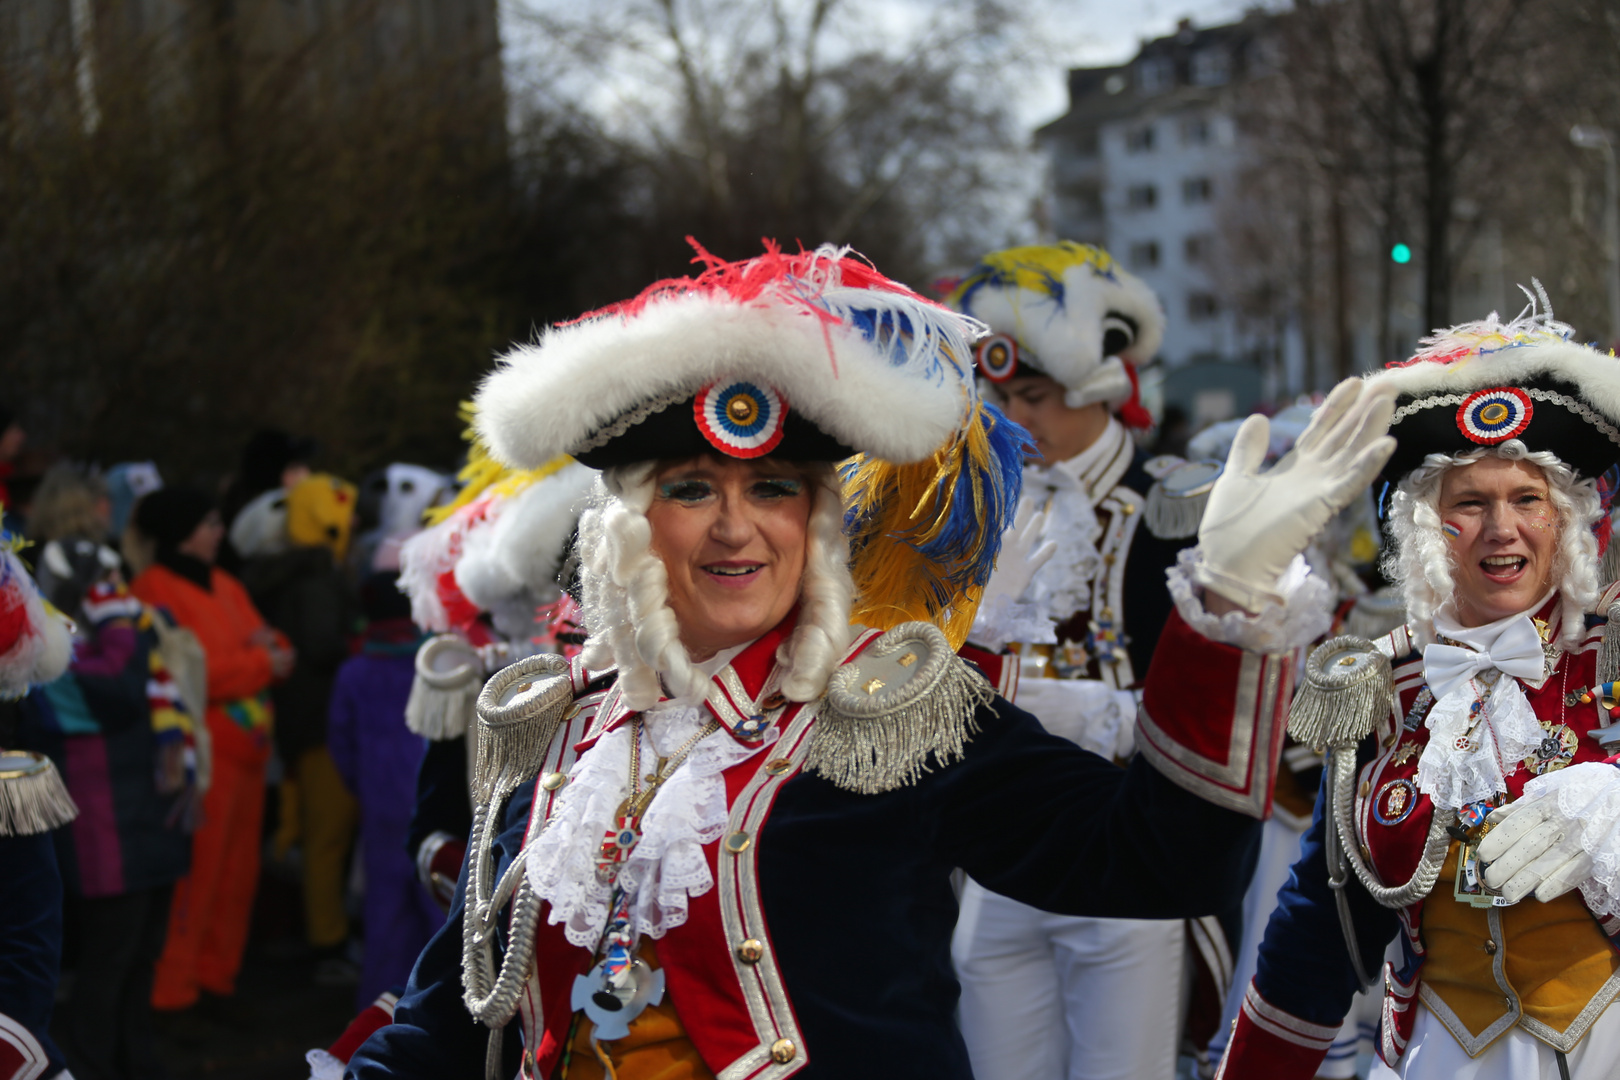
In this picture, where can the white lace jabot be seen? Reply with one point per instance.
(1469, 757)
(667, 867)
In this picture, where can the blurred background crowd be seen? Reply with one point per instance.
(280, 808)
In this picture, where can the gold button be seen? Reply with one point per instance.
(782, 1051)
(573, 711)
(528, 1063)
(872, 686)
(778, 766)
(738, 842)
(553, 781)
(751, 951)
(1127, 509)
(773, 700)
(1366, 855)
(1366, 788)
(1490, 947)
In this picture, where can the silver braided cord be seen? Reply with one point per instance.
(1434, 850)
(516, 734)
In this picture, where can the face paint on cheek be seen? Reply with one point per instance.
(1541, 521)
(1453, 531)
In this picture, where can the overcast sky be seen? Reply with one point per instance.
(1095, 32)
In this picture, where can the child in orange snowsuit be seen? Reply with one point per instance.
(208, 920)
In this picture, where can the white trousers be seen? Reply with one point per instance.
(1434, 1054)
(1054, 997)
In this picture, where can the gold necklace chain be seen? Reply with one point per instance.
(639, 800)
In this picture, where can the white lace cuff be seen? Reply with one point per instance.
(1002, 620)
(1588, 796)
(1304, 615)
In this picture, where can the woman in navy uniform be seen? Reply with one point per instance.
(1468, 811)
(719, 842)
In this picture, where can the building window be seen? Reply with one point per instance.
(1195, 131)
(1196, 248)
(1142, 197)
(1210, 67)
(1154, 74)
(1197, 189)
(1202, 306)
(1145, 255)
(1139, 140)
(1085, 196)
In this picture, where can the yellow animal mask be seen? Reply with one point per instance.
(320, 513)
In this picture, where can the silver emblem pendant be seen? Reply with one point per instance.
(613, 1000)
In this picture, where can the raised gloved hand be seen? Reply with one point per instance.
(1536, 844)
(1024, 550)
(1256, 522)
(1004, 615)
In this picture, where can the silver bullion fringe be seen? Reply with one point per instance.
(1609, 564)
(1608, 661)
(1340, 704)
(1173, 517)
(512, 740)
(437, 714)
(33, 798)
(442, 701)
(870, 745)
(513, 737)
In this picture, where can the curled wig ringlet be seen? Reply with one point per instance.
(1421, 562)
(625, 594)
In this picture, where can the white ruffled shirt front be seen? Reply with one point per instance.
(667, 867)
(1468, 758)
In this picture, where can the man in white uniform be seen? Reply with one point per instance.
(1048, 996)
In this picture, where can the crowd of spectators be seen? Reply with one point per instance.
(237, 694)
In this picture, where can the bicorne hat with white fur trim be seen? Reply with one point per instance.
(811, 357)
(1482, 383)
(1069, 311)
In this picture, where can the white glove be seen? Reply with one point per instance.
(1533, 847)
(1257, 522)
(1004, 615)
(1024, 550)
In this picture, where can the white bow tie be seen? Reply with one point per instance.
(1516, 651)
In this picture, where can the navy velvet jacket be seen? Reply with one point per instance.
(856, 891)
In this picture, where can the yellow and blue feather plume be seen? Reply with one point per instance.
(924, 537)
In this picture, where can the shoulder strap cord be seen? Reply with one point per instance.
(1434, 850)
(1339, 874)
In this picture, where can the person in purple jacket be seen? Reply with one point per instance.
(378, 757)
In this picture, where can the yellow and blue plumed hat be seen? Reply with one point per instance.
(1069, 311)
(813, 356)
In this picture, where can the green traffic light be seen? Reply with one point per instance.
(1401, 254)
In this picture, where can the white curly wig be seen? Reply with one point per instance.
(625, 594)
(1421, 563)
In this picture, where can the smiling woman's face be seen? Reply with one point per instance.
(732, 536)
(1503, 535)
